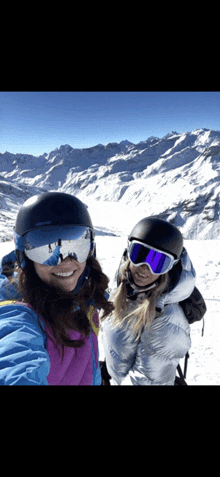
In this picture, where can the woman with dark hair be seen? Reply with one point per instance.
(50, 335)
(147, 334)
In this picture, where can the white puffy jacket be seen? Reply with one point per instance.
(153, 359)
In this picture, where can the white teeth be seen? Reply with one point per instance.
(63, 274)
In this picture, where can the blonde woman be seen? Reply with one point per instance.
(147, 334)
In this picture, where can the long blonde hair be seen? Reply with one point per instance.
(142, 314)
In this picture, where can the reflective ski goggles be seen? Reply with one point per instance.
(159, 262)
(50, 245)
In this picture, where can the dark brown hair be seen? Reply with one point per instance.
(64, 311)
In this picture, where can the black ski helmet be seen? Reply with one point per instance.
(51, 208)
(159, 234)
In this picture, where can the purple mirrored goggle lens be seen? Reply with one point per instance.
(158, 262)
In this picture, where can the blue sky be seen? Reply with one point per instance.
(38, 122)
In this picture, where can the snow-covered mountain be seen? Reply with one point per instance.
(176, 177)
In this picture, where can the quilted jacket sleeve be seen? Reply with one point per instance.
(23, 356)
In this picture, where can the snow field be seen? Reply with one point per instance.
(204, 362)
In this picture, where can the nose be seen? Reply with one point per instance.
(67, 259)
(144, 266)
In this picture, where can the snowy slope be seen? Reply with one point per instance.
(176, 177)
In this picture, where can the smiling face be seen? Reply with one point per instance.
(63, 276)
(142, 275)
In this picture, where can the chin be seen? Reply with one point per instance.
(144, 283)
(68, 287)
(141, 284)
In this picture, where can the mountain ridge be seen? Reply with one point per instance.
(176, 177)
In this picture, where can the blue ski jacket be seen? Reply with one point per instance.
(28, 354)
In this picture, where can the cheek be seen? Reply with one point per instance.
(43, 272)
(82, 267)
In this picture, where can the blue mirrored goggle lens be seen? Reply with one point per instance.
(51, 245)
(158, 261)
